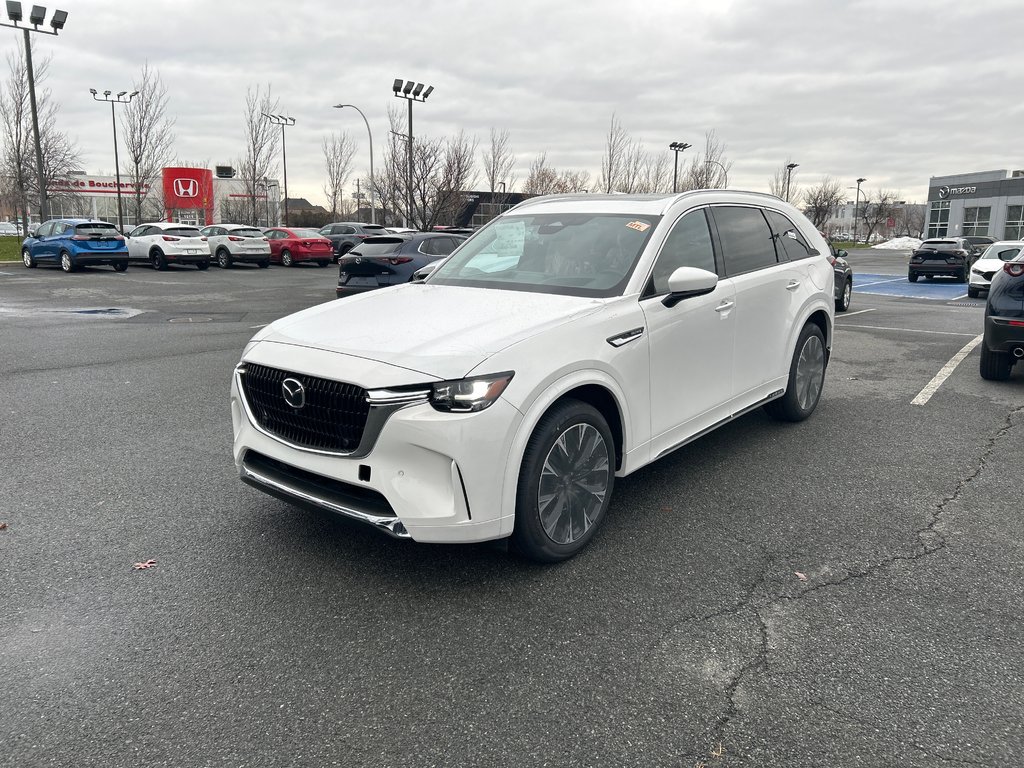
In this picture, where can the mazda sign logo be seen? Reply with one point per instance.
(293, 392)
(943, 192)
(186, 187)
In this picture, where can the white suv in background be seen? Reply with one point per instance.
(989, 263)
(237, 242)
(572, 340)
(165, 242)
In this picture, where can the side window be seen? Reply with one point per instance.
(348, 231)
(138, 231)
(687, 245)
(67, 229)
(445, 245)
(788, 239)
(45, 229)
(747, 242)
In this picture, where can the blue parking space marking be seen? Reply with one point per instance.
(939, 289)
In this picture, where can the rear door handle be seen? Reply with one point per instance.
(792, 285)
(725, 306)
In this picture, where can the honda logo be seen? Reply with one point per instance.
(186, 187)
(293, 392)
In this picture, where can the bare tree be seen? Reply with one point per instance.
(910, 219)
(616, 150)
(777, 184)
(261, 139)
(708, 169)
(338, 151)
(545, 180)
(60, 154)
(821, 201)
(147, 134)
(498, 160)
(457, 174)
(877, 209)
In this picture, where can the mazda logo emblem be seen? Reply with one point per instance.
(293, 392)
(186, 187)
(943, 192)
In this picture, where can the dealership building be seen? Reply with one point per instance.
(193, 196)
(983, 203)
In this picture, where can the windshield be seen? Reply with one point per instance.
(573, 254)
(96, 229)
(1001, 252)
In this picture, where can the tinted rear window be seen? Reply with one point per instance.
(378, 246)
(746, 239)
(245, 232)
(307, 233)
(99, 229)
(183, 232)
(374, 228)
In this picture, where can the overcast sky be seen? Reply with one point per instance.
(892, 90)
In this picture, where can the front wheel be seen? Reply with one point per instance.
(995, 366)
(286, 259)
(843, 302)
(66, 262)
(565, 483)
(806, 377)
(121, 266)
(27, 259)
(912, 277)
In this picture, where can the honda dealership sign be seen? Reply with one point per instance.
(188, 194)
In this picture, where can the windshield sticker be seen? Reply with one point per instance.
(509, 238)
(639, 226)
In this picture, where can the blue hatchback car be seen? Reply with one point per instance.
(74, 243)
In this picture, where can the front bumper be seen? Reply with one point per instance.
(430, 476)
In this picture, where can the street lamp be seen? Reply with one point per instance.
(36, 17)
(677, 147)
(283, 120)
(789, 175)
(725, 172)
(119, 99)
(856, 209)
(410, 91)
(373, 191)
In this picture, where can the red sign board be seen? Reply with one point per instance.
(188, 188)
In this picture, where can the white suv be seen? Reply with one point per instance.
(166, 242)
(229, 243)
(571, 341)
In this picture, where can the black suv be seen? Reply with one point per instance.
(1003, 344)
(941, 256)
(344, 235)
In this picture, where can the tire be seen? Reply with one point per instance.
(843, 302)
(158, 261)
(973, 293)
(323, 263)
(121, 266)
(286, 258)
(28, 259)
(965, 275)
(995, 366)
(224, 260)
(558, 529)
(912, 277)
(806, 378)
(264, 264)
(202, 265)
(67, 264)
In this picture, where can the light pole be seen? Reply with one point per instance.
(725, 172)
(265, 183)
(373, 186)
(119, 99)
(789, 175)
(856, 209)
(36, 17)
(410, 91)
(283, 120)
(677, 147)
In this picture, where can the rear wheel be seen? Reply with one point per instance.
(965, 275)
(265, 263)
(995, 366)
(66, 262)
(973, 293)
(806, 376)
(323, 263)
(158, 260)
(843, 302)
(565, 483)
(912, 277)
(27, 258)
(201, 265)
(224, 259)
(286, 258)
(121, 266)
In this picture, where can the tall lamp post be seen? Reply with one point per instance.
(725, 171)
(856, 209)
(36, 17)
(677, 147)
(410, 91)
(119, 99)
(373, 186)
(283, 120)
(789, 176)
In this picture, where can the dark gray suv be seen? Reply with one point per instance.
(346, 234)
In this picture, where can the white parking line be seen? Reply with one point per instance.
(925, 394)
(879, 282)
(851, 314)
(264, 325)
(960, 297)
(905, 330)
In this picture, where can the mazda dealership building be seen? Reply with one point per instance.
(984, 203)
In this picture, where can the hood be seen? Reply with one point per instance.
(440, 330)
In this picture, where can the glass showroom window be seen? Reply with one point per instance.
(938, 219)
(1014, 222)
(976, 220)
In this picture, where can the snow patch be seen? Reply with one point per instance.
(898, 244)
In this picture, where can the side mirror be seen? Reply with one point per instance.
(424, 272)
(687, 282)
(842, 254)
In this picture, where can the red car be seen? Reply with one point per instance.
(289, 246)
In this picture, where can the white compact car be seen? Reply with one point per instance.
(990, 262)
(572, 340)
(230, 243)
(165, 242)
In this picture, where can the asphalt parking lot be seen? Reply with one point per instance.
(841, 592)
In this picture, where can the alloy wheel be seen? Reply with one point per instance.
(573, 483)
(810, 370)
(66, 263)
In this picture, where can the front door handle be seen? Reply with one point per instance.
(792, 285)
(725, 306)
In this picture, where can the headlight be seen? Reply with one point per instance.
(468, 395)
